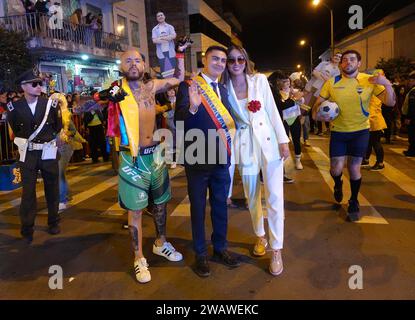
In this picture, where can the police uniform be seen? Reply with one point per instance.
(23, 124)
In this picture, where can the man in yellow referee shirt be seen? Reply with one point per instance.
(352, 92)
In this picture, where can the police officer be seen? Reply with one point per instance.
(25, 117)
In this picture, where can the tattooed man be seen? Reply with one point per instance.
(142, 172)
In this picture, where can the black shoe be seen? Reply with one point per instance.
(365, 163)
(353, 211)
(54, 229)
(409, 154)
(226, 258)
(27, 238)
(202, 267)
(288, 180)
(338, 192)
(377, 167)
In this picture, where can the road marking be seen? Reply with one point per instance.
(368, 213)
(40, 193)
(116, 210)
(80, 197)
(400, 152)
(397, 177)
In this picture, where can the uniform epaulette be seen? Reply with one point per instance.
(55, 103)
(10, 106)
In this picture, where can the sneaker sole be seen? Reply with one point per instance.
(275, 273)
(142, 282)
(168, 258)
(256, 254)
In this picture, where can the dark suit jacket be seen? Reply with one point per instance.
(24, 123)
(201, 120)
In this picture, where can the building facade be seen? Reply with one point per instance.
(390, 37)
(207, 24)
(79, 57)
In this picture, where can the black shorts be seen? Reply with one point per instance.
(349, 143)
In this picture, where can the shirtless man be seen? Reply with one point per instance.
(142, 172)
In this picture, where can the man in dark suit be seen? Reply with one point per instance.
(205, 173)
(25, 116)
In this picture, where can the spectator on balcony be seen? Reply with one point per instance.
(97, 27)
(30, 14)
(88, 28)
(55, 22)
(76, 19)
(41, 6)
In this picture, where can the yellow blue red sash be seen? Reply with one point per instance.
(218, 113)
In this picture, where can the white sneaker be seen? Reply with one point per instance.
(173, 165)
(62, 206)
(142, 273)
(167, 251)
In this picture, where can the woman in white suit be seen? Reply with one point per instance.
(260, 144)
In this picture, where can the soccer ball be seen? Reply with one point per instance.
(329, 108)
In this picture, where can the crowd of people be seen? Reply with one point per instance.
(253, 117)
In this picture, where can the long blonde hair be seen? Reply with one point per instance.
(249, 65)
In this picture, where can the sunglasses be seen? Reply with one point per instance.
(240, 60)
(36, 83)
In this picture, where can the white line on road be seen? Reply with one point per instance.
(80, 197)
(368, 213)
(397, 177)
(39, 193)
(400, 152)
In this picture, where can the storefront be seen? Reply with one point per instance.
(70, 75)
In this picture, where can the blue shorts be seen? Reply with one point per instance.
(349, 143)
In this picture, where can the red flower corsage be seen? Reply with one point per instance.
(254, 106)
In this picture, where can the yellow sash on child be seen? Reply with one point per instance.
(218, 113)
(130, 113)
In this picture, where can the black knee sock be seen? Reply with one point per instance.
(355, 187)
(337, 179)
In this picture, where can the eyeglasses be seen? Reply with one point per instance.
(36, 83)
(240, 60)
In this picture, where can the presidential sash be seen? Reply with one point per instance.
(217, 112)
(130, 118)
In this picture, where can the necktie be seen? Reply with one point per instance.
(215, 87)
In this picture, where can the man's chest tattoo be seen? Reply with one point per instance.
(144, 95)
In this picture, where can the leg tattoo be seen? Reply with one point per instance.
(134, 237)
(160, 219)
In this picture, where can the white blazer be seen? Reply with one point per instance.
(266, 129)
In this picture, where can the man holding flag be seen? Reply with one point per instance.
(142, 171)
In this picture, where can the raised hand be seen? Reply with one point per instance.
(195, 96)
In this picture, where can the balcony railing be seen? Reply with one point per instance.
(36, 25)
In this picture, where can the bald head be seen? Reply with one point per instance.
(132, 65)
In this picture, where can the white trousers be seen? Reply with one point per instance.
(273, 174)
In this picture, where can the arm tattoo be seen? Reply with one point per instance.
(134, 237)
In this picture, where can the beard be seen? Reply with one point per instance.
(138, 77)
(349, 71)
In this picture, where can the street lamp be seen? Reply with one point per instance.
(315, 3)
(303, 43)
(298, 66)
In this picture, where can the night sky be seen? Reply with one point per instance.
(273, 28)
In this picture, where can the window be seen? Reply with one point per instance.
(135, 34)
(122, 30)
